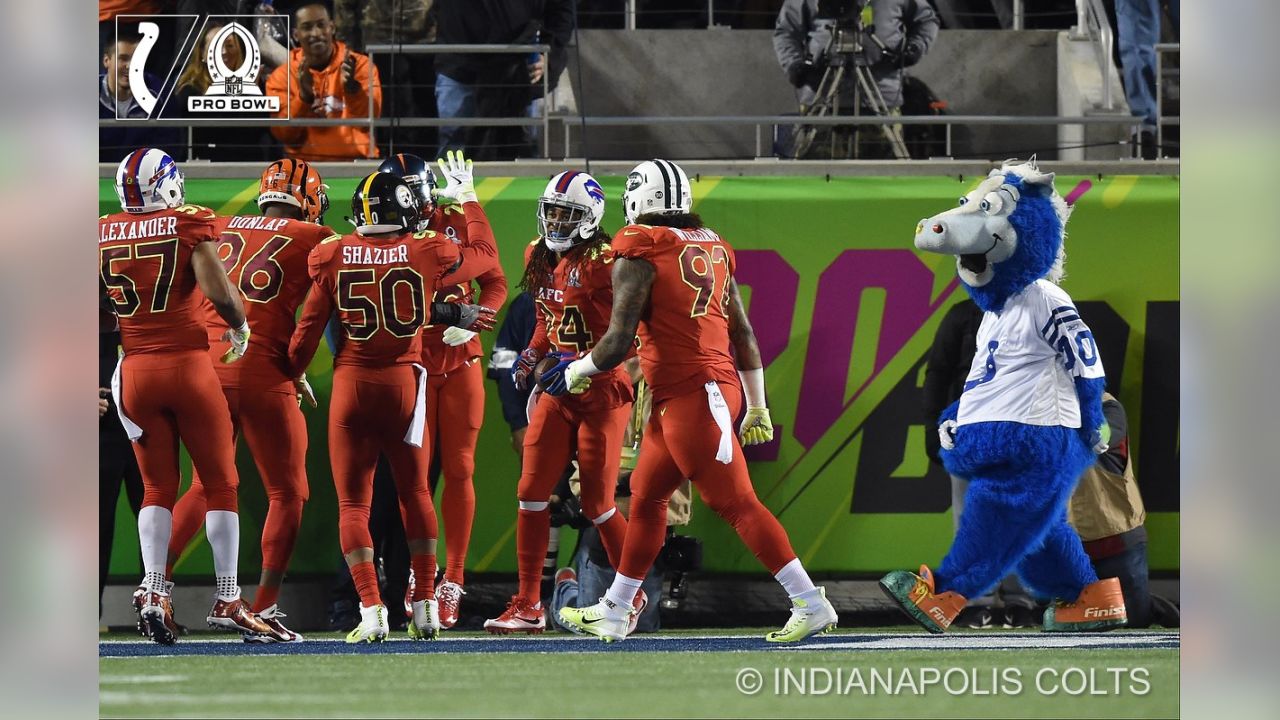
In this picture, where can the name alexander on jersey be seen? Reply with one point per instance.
(358, 255)
(136, 229)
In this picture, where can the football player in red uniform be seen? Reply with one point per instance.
(567, 271)
(455, 381)
(378, 280)
(152, 257)
(266, 259)
(673, 280)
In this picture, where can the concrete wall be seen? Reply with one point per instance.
(735, 72)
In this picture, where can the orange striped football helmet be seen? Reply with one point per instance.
(296, 183)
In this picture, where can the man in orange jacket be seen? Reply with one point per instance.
(328, 81)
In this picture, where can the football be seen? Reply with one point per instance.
(544, 365)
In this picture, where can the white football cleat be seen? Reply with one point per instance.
(601, 620)
(425, 624)
(811, 614)
(373, 625)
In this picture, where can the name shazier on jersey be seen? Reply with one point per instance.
(358, 255)
(137, 229)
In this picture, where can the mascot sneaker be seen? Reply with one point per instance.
(373, 625)
(519, 616)
(916, 596)
(602, 620)
(425, 624)
(279, 633)
(449, 596)
(1099, 607)
(811, 614)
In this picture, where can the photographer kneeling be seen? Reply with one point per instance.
(890, 35)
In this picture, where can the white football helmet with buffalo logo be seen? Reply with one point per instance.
(149, 180)
(583, 198)
(656, 186)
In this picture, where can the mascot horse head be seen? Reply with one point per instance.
(1006, 234)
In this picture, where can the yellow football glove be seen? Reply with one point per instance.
(756, 427)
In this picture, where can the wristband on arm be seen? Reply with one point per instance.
(753, 386)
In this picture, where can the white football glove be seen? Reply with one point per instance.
(756, 427)
(947, 434)
(303, 390)
(455, 336)
(239, 339)
(460, 185)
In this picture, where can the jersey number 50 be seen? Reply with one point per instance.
(362, 315)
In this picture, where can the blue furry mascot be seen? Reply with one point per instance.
(1029, 420)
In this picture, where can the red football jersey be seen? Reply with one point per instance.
(573, 305)
(684, 335)
(266, 258)
(144, 262)
(380, 288)
(453, 223)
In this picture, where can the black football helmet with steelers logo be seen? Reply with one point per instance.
(384, 203)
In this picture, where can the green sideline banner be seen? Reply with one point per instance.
(845, 310)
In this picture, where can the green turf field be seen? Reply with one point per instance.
(985, 679)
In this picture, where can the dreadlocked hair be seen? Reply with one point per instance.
(680, 221)
(542, 260)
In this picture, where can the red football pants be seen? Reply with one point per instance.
(276, 432)
(455, 410)
(680, 442)
(176, 396)
(556, 430)
(369, 413)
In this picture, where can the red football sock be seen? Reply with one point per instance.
(366, 580)
(612, 534)
(188, 518)
(533, 527)
(279, 533)
(266, 596)
(646, 531)
(458, 503)
(424, 576)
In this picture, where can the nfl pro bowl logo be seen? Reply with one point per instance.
(233, 89)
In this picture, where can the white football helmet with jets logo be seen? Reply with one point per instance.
(656, 186)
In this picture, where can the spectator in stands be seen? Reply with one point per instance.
(407, 78)
(212, 141)
(897, 35)
(1137, 32)
(328, 81)
(116, 100)
(108, 10)
(475, 85)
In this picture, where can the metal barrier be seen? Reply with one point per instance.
(759, 121)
